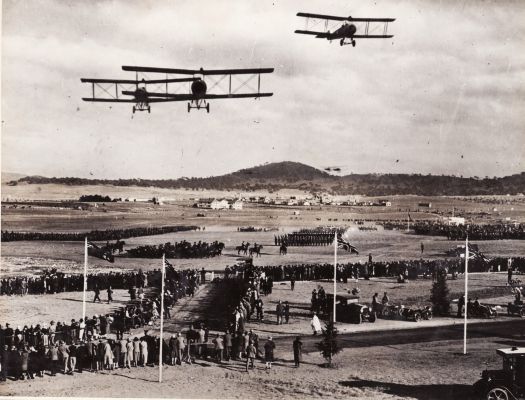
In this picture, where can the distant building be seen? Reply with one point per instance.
(236, 204)
(427, 205)
(217, 204)
(455, 220)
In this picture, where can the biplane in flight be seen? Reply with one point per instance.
(224, 84)
(351, 28)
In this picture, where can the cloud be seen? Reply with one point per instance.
(451, 78)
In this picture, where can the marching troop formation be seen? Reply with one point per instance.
(321, 236)
(182, 249)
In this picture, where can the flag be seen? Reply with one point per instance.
(474, 253)
(409, 218)
(95, 251)
(343, 244)
(168, 265)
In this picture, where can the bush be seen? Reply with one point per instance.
(439, 294)
(328, 345)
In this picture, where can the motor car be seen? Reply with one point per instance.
(507, 383)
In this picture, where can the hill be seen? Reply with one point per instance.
(11, 176)
(293, 175)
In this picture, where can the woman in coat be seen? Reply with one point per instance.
(269, 347)
(297, 351)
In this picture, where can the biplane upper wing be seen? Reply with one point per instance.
(321, 16)
(136, 82)
(198, 71)
(335, 18)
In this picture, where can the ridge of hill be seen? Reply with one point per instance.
(294, 175)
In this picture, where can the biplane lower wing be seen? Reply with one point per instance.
(189, 97)
(108, 100)
(150, 100)
(315, 33)
(372, 36)
(237, 95)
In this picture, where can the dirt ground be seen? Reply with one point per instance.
(430, 370)
(426, 370)
(38, 309)
(33, 256)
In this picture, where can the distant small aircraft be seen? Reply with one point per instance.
(198, 91)
(348, 30)
(333, 169)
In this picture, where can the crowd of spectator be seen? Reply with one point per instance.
(183, 249)
(409, 269)
(96, 343)
(53, 281)
(475, 232)
(96, 235)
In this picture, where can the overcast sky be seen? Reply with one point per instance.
(446, 95)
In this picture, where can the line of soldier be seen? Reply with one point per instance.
(475, 232)
(96, 235)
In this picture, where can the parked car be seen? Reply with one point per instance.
(507, 383)
(341, 307)
(513, 308)
(481, 311)
(417, 314)
(358, 313)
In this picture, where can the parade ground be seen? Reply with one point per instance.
(387, 359)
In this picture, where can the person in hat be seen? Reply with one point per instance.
(251, 353)
(129, 353)
(269, 348)
(297, 351)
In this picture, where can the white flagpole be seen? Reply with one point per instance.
(161, 317)
(335, 273)
(408, 223)
(466, 298)
(85, 280)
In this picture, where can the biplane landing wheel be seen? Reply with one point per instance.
(189, 108)
(207, 108)
(149, 110)
(353, 43)
(342, 42)
(133, 109)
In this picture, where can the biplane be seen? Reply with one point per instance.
(224, 84)
(351, 28)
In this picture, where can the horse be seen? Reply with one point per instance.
(283, 250)
(243, 248)
(256, 250)
(119, 245)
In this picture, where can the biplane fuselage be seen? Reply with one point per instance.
(199, 88)
(345, 31)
